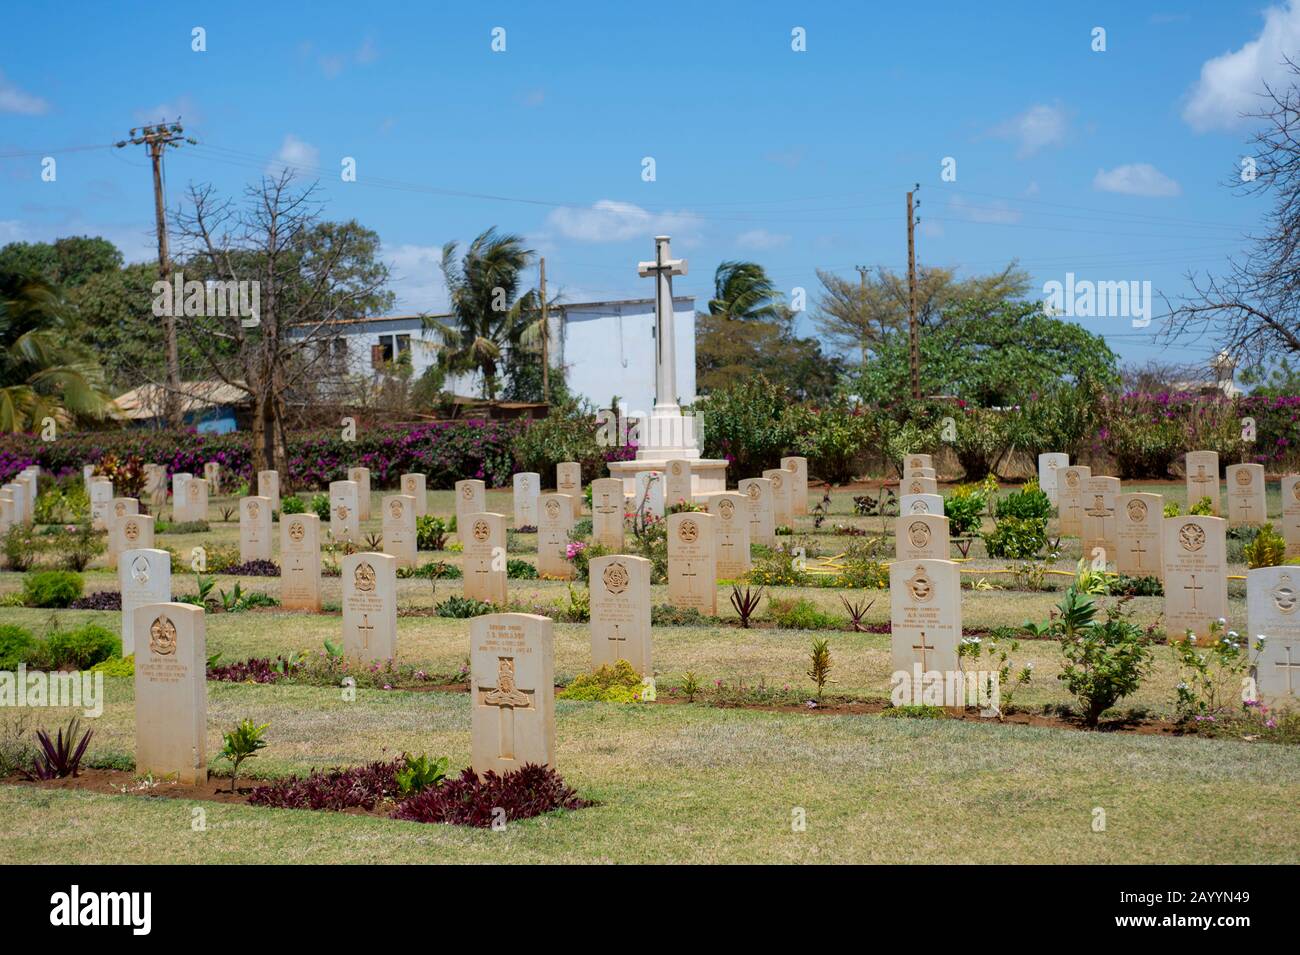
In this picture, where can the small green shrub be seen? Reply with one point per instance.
(963, 508)
(800, 614)
(1016, 538)
(1202, 508)
(116, 666)
(666, 615)
(78, 649)
(52, 588)
(420, 773)
(320, 506)
(21, 548)
(776, 569)
(518, 569)
(619, 683)
(1268, 549)
(1029, 503)
(241, 743)
(16, 646)
(463, 607)
(292, 504)
(430, 533)
(76, 546)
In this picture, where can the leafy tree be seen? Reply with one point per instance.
(490, 316)
(114, 310)
(742, 291)
(860, 316)
(992, 356)
(67, 262)
(44, 369)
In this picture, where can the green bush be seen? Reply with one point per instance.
(80, 648)
(608, 684)
(320, 506)
(17, 645)
(963, 508)
(666, 615)
(800, 614)
(777, 569)
(430, 532)
(518, 569)
(21, 548)
(51, 588)
(292, 504)
(1029, 503)
(463, 607)
(1016, 538)
(1268, 549)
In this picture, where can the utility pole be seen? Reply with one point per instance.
(862, 288)
(913, 333)
(157, 138)
(546, 336)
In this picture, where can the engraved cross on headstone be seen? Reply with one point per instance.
(506, 696)
(923, 648)
(1288, 668)
(365, 628)
(1193, 587)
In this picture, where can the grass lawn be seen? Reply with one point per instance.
(689, 783)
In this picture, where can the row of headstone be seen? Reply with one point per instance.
(18, 498)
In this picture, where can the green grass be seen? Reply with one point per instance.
(683, 783)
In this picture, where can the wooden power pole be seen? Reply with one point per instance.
(157, 138)
(913, 333)
(546, 341)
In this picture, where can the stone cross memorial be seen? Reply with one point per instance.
(555, 520)
(526, 486)
(133, 531)
(1202, 469)
(300, 562)
(400, 537)
(921, 537)
(144, 576)
(1246, 502)
(471, 498)
(268, 486)
(912, 504)
(1291, 514)
(762, 513)
(485, 558)
(254, 529)
(1273, 612)
(607, 513)
(782, 508)
(120, 509)
(1099, 540)
(620, 612)
(1049, 467)
(1196, 582)
(650, 492)
(1070, 488)
(677, 483)
(692, 562)
(925, 618)
(568, 480)
(512, 688)
(731, 509)
(414, 485)
(361, 477)
(916, 484)
(798, 468)
(101, 503)
(370, 606)
(1139, 535)
(171, 691)
(345, 511)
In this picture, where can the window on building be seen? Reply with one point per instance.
(390, 348)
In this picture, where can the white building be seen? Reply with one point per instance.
(606, 349)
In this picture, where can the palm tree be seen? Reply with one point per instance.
(43, 371)
(742, 290)
(490, 315)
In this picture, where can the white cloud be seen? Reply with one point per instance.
(14, 100)
(1136, 179)
(611, 221)
(1230, 84)
(994, 212)
(295, 154)
(1035, 129)
(762, 239)
(416, 277)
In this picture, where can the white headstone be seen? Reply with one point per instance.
(345, 511)
(268, 486)
(415, 485)
(171, 691)
(1048, 466)
(254, 529)
(620, 611)
(910, 504)
(144, 576)
(300, 562)
(370, 606)
(607, 513)
(762, 513)
(526, 486)
(400, 533)
(512, 685)
(361, 477)
(1273, 611)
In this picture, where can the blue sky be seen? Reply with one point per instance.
(1107, 164)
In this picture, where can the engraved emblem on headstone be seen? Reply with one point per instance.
(918, 532)
(140, 570)
(689, 531)
(296, 532)
(364, 577)
(616, 578)
(920, 586)
(1137, 511)
(1284, 597)
(481, 530)
(162, 637)
(1191, 537)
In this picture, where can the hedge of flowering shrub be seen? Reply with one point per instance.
(752, 425)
